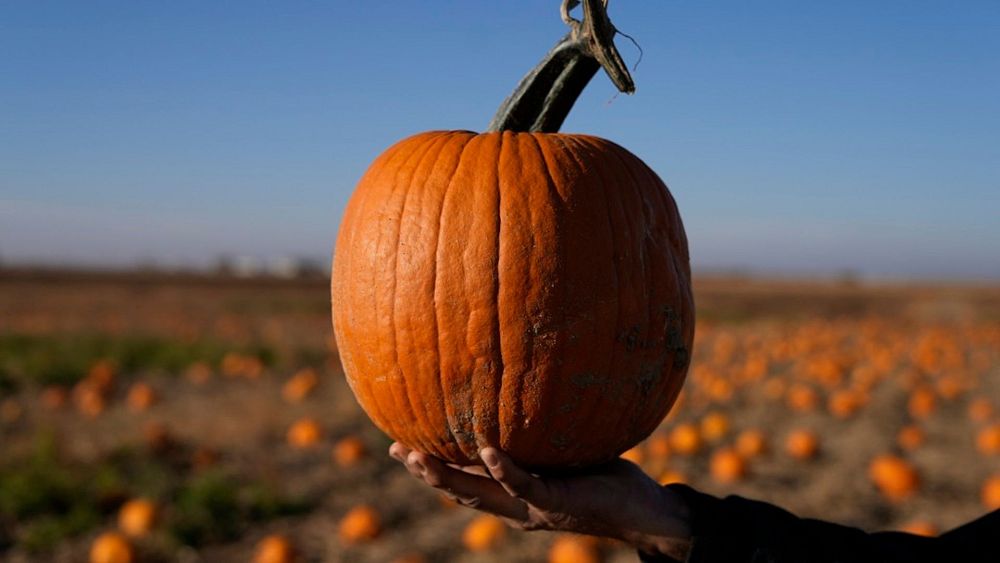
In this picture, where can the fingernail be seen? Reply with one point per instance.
(489, 458)
(420, 467)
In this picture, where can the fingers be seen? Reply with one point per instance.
(467, 488)
(399, 452)
(473, 470)
(516, 481)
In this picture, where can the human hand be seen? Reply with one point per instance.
(615, 500)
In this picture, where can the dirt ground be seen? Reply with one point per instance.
(943, 339)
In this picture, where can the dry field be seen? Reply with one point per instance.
(222, 403)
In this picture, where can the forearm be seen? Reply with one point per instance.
(737, 530)
(669, 537)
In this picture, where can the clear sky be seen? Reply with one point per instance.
(798, 137)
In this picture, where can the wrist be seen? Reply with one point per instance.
(669, 533)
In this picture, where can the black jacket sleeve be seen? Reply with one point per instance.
(738, 530)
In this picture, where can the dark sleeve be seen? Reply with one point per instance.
(738, 530)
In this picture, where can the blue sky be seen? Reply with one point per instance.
(798, 137)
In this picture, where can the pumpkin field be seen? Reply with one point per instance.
(156, 417)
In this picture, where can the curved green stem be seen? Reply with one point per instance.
(544, 97)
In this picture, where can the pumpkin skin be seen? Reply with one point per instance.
(529, 291)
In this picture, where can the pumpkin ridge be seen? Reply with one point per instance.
(616, 409)
(652, 181)
(474, 268)
(383, 317)
(678, 240)
(506, 379)
(591, 168)
(364, 384)
(576, 149)
(418, 415)
(447, 407)
(556, 207)
(683, 289)
(563, 430)
(517, 238)
(680, 262)
(450, 438)
(494, 439)
(645, 256)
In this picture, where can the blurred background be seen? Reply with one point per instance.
(172, 180)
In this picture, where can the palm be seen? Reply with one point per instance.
(614, 500)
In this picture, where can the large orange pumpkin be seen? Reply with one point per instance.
(517, 288)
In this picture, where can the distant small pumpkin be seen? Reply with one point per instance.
(569, 548)
(111, 547)
(727, 466)
(361, 524)
(304, 433)
(275, 548)
(685, 439)
(483, 533)
(140, 397)
(300, 385)
(894, 477)
(137, 517)
(991, 493)
(751, 443)
(802, 444)
(349, 451)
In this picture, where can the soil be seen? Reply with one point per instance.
(245, 419)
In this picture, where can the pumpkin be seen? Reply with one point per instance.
(894, 477)
(988, 440)
(714, 426)
(636, 455)
(349, 451)
(102, 375)
(910, 437)
(89, 399)
(300, 385)
(140, 397)
(844, 403)
(802, 444)
(304, 433)
(111, 547)
(920, 528)
(517, 288)
(275, 548)
(922, 403)
(685, 439)
(671, 476)
(801, 398)
(137, 517)
(361, 524)
(574, 549)
(727, 466)
(991, 493)
(751, 443)
(483, 533)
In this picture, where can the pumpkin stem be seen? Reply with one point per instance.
(544, 97)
